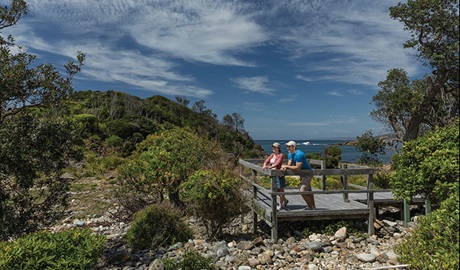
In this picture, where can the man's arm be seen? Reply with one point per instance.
(296, 167)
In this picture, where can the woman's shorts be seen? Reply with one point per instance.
(280, 182)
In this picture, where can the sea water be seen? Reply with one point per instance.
(349, 153)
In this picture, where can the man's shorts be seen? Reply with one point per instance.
(305, 183)
(280, 182)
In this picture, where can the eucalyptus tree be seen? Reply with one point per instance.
(412, 108)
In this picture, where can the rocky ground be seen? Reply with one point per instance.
(243, 250)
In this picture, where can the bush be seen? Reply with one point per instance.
(215, 197)
(434, 242)
(71, 249)
(428, 166)
(382, 179)
(190, 261)
(33, 153)
(158, 225)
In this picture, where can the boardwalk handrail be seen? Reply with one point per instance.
(344, 172)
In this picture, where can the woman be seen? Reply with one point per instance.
(275, 161)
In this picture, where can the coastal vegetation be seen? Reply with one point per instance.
(172, 160)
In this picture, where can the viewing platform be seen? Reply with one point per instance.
(360, 203)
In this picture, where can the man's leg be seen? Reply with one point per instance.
(306, 186)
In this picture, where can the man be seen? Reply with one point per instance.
(298, 161)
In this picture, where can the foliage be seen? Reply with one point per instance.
(71, 249)
(434, 243)
(35, 138)
(215, 197)
(330, 227)
(412, 108)
(124, 115)
(158, 225)
(165, 161)
(370, 147)
(33, 153)
(428, 166)
(100, 165)
(382, 179)
(190, 261)
(333, 156)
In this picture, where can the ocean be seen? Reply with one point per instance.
(349, 153)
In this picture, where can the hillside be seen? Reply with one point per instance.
(115, 121)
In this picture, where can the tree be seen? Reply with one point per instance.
(410, 109)
(169, 159)
(215, 197)
(370, 147)
(36, 139)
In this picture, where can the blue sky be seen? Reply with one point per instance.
(292, 68)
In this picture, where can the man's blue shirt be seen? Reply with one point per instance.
(299, 156)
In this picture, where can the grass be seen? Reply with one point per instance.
(333, 182)
(91, 196)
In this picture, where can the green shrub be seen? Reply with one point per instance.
(190, 261)
(434, 242)
(158, 225)
(428, 166)
(71, 249)
(382, 179)
(101, 165)
(215, 197)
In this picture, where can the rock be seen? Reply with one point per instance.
(245, 245)
(314, 246)
(68, 176)
(258, 242)
(365, 257)
(341, 233)
(390, 223)
(253, 262)
(156, 265)
(392, 255)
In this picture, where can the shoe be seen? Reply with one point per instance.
(285, 203)
(279, 207)
(308, 208)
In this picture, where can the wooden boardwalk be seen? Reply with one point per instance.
(362, 203)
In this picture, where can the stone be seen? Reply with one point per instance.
(366, 257)
(341, 233)
(253, 262)
(315, 246)
(245, 245)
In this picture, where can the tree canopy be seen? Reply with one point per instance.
(36, 138)
(412, 108)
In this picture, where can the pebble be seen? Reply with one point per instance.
(317, 251)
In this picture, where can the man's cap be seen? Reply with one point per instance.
(291, 143)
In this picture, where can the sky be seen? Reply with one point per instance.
(293, 69)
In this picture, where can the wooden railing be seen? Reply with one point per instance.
(344, 172)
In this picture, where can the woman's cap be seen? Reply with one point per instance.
(291, 143)
(276, 144)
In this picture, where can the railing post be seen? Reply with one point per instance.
(427, 206)
(370, 204)
(345, 184)
(406, 212)
(323, 177)
(274, 211)
(254, 197)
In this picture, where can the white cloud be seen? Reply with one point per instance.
(258, 84)
(308, 124)
(334, 93)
